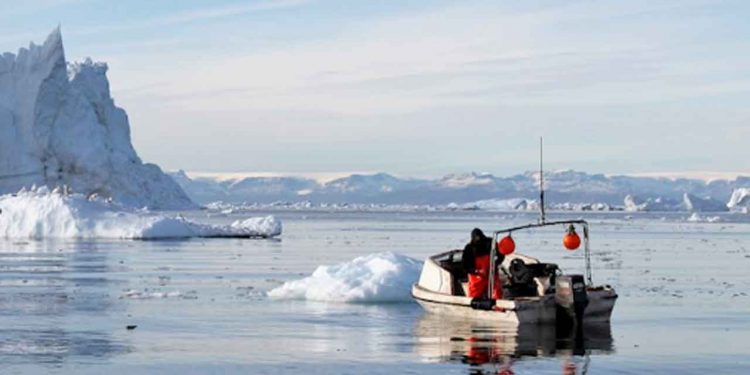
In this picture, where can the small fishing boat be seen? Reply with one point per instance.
(532, 291)
(520, 289)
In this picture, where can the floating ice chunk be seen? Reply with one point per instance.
(695, 218)
(39, 213)
(381, 277)
(145, 294)
(267, 225)
(514, 204)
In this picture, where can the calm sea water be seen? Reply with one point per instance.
(199, 305)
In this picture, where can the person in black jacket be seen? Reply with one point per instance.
(480, 245)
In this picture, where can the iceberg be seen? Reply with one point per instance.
(695, 218)
(514, 204)
(60, 126)
(39, 213)
(692, 203)
(632, 204)
(740, 200)
(381, 277)
(658, 204)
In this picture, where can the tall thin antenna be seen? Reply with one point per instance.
(541, 178)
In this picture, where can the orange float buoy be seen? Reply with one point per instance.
(506, 245)
(571, 241)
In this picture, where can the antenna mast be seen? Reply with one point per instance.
(541, 178)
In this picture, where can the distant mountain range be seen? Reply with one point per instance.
(564, 189)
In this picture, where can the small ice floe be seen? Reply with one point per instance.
(249, 292)
(40, 213)
(696, 218)
(156, 294)
(381, 277)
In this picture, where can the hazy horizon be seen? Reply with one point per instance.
(424, 89)
(329, 176)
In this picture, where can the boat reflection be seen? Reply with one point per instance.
(489, 347)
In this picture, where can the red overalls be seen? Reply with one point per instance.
(479, 280)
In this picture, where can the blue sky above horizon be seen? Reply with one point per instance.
(419, 88)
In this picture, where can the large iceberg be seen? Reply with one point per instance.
(40, 214)
(60, 126)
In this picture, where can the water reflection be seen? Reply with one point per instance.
(488, 347)
(54, 345)
(54, 294)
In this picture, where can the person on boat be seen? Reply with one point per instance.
(479, 246)
(476, 263)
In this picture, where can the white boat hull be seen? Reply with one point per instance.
(434, 292)
(537, 310)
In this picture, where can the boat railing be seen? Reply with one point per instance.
(586, 248)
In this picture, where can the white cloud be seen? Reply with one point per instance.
(225, 11)
(205, 14)
(389, 90)
(456, 56)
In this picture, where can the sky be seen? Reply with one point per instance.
(417, 88)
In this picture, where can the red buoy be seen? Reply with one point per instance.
(571, 241)
(506, 245)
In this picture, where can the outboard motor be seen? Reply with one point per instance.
(571, 299)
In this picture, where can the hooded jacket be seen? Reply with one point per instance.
(480, 245)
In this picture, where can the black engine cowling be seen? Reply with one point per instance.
(522, 276)
(571, 298)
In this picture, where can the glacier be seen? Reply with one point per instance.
(59, 126)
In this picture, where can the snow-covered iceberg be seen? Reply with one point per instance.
(40, 213)
(381, 277)
(59, 126)
(740, 200)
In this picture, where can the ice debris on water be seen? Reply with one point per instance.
(157, 294)
(40, 213)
